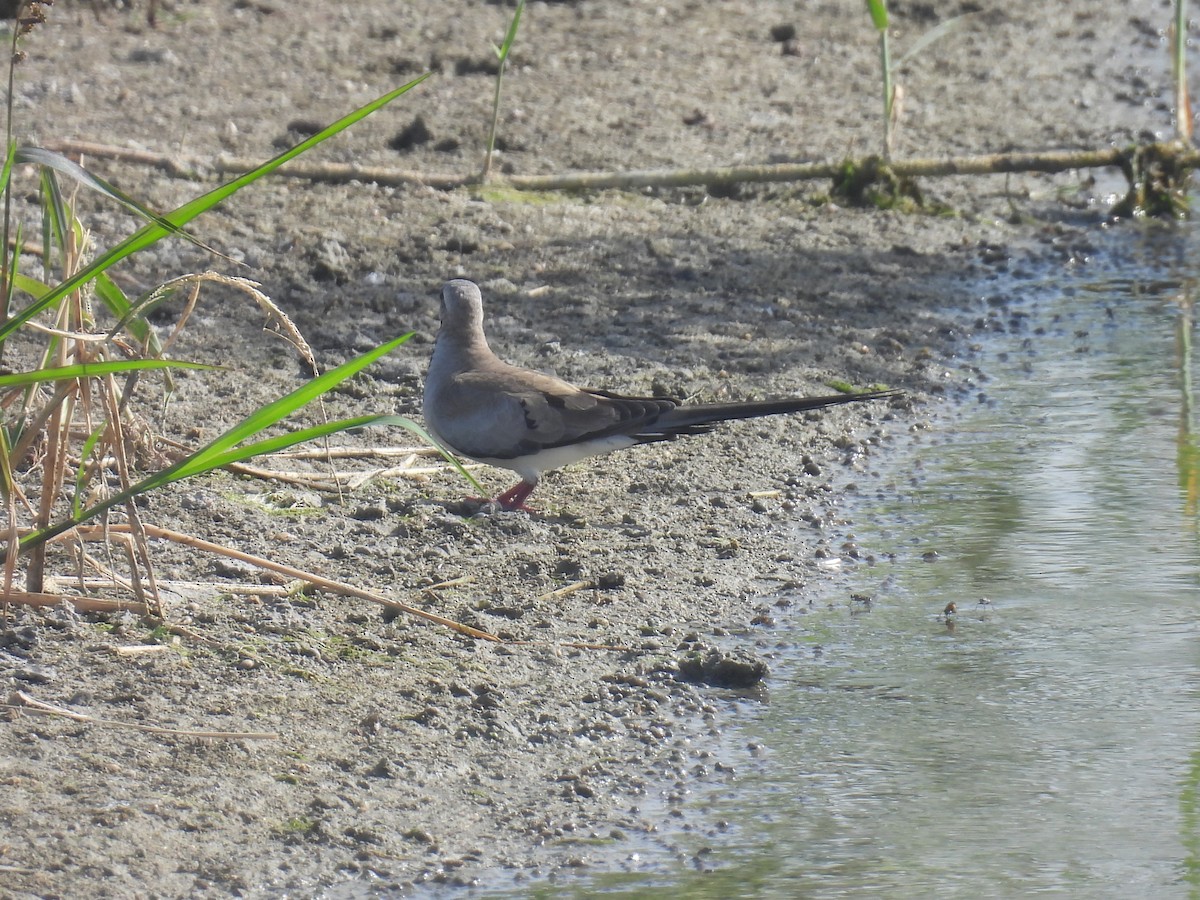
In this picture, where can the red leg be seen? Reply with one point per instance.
(514, 497)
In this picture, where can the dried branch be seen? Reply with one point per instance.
(985, 164)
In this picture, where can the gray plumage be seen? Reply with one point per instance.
(482, 408)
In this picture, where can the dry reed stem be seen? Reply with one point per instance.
(83, 604)
(11, 531)
(284, 327)
(81, 336)
(22, 702)
(139, 553)
(357, 453)
(105, 533)
(192, 634)
(62, 582)
(108, 575)
(72, 402)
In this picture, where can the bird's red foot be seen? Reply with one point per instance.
(514, 497)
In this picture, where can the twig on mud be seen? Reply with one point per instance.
(313, 480)
(63, 582)
(22, 702)
(357, 480)
(190, 167)
(337, 480)
(192, 634)
(566, 590)
(430, 590)
(984, 164)
(81, 603)
(334, 481)
(141, 649)
(93, 532)
(95, 604)
(179, 167)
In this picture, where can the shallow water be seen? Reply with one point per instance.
(1046, 737)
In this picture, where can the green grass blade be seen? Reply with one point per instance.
(7, 484)
(56, 217)
(49, 160)
(127, 317)
(94, 370)
(81, 473)
(268, 415)
(177, 218)
(933, 34)
(879, 14)
(502, 54)
(284, 441)
(6, 172)
(5, 233)
(30, 286)
(211, 455)
(511, 35)
(10, 283)
(449, 457)
(1183, 112)
(55, 162)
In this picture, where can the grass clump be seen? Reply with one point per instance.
(1159, 181)
(74, 444)
(872, 182)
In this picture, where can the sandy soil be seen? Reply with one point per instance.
(406, 754)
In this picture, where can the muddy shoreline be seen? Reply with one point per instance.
(407, 755)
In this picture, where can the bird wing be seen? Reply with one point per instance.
(509, 413)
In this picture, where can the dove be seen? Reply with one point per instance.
(478, 406)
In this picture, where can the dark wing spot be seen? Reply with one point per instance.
(530, 421)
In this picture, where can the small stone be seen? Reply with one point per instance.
(734, 670)
(35, 675)
(610, 581)
(370, 513)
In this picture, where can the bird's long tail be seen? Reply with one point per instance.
(710, 413)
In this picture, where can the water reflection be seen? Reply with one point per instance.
(1189, 447)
